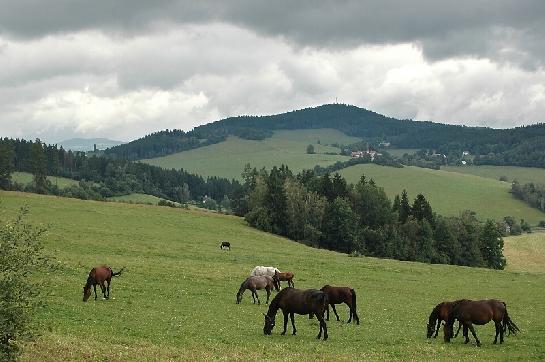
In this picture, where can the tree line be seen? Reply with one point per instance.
(102, 177)
(327, 212)
(531, 193)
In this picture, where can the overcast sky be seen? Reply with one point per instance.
(123, 69)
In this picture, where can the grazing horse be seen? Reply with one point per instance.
(480, 312)
(225, 244)
(264, 270)
(338, 295)
(439, 314)
(284, 276)
(291, 301)
(99, 275)
(257, 283)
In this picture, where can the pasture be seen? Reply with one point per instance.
(25, 178)
(137, 199)
(227, 159)
(448, 192)
(176, 298)
(522, 174)
(525, 253)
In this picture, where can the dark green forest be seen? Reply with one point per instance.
(521, 146)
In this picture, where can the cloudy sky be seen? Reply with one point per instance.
(122, 69)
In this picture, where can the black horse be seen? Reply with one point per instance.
(438, 314)
(480, 312)
(291, 301)
(225, 244)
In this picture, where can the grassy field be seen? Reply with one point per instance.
(522, 174)
(227, 159)
(448, 192)
(176, 299)
(137, 199)
(526, 253)
(398, 152)
(26, 178)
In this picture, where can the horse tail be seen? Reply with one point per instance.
(118, 273)
(508, 324)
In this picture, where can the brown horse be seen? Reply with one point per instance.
(480, 312)
(437, 315)
(284, 276)
(291, 301)
(257, 283)
(99, 275)
(338, 295)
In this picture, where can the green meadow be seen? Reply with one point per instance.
(526, 253)
(521, 174)
(448, 192)
(25, 178)
(227, 159)
(176, 298)
(137, 199)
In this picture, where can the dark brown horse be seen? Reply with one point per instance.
(257, 283)
(480, 312)
(338, 295)
(291, 301)
(99, 275)
(438, 314)
(284, 276)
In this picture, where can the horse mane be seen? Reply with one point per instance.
(89, 282)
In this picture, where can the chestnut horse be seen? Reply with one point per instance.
(291, 301)
(438, 314)
(480, 312)
(257, 283)
(99, 275)
(284, 276)
(338, 295)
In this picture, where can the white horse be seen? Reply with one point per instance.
(264, 271)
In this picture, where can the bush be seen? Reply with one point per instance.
(541, 224)
(168, 203)
(21, 261)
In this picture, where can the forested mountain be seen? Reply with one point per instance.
(521, 146)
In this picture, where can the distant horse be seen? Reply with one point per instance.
(291, 301)
(257, 283)
(264, 270)
(438, 314)
(99, 275)
(480, 312)
(225, 244)
(284, 276)
(338, 295)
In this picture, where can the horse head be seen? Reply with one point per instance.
(448, 331)
(86, 292)
(269, 324)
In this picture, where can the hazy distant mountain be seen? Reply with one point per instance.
(87, 144)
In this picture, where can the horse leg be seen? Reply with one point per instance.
(335, 311)
(350, 313)
(323, 326)
(95, 288)
(355, 314)
(501, 333)
(285, 323)
(103, 288)
(108, 281)
(458, 331)
(268, 295)
(253, 294)
(292, 317)
(257, 296)
(499, 327)
(327, 312)
(472, 329)
(464, 331)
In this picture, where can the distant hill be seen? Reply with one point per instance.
(87, 144)
(521, 146)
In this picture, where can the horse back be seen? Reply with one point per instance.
(101, 273)
(337, 295)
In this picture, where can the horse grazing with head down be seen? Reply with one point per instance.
(254, 284)
(99, 275)
(226, 245)
(295, 301)
(284, 276)
(480, 312)
(438, 314)
(338, 295)
(264, 270)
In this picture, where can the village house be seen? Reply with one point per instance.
(372, 154)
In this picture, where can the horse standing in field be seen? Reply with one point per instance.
(440, 313)
(264, 270)
(284, 276)
(99, 275)
(254, 284)
(480, 312)
(291, 301)
(226, 245)
(338, 295)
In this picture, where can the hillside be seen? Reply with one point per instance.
(227, 159)
(449, 192)
(521, 174)
(176, 299)
(521, 146)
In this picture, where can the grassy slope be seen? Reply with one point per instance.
(176, 299)
(526, 253)
(26, 178)
(137, 199)
(522, 174)
(227, 159)
(448, 192)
